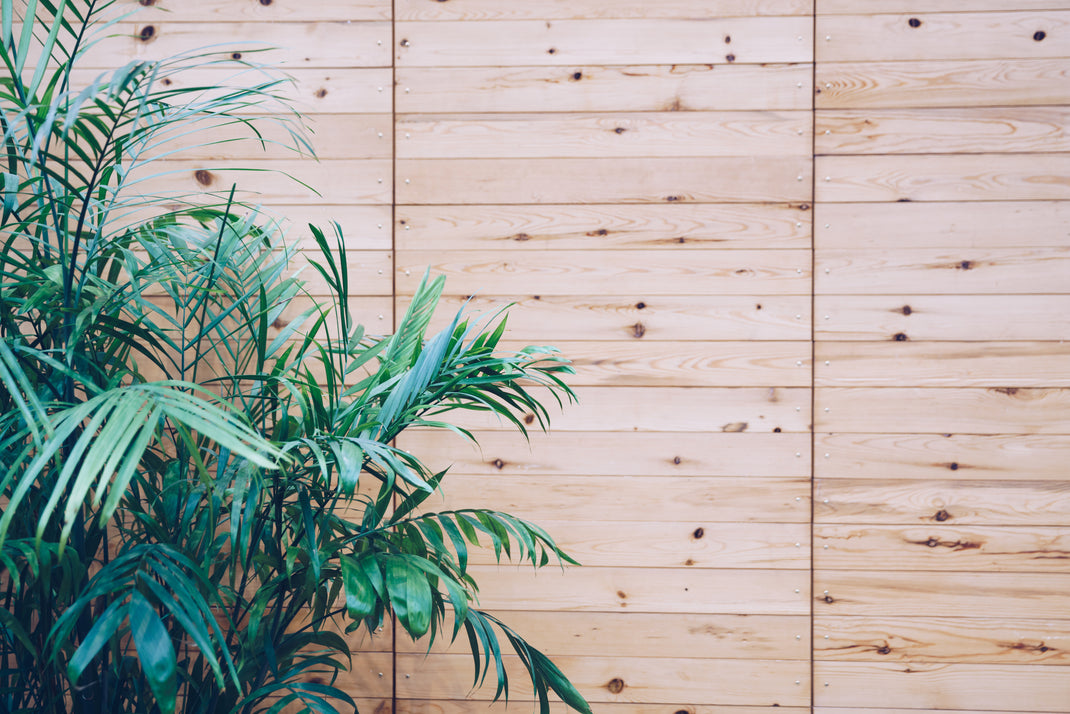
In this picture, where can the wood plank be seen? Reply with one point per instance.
(369, 273)
(476, 43)
(593, 634)
(943, 131)
(363, 227)
(947, 501)
(942, 271)
(359, 181)
(657, 590)
(942, 364)
(943, 36)
(669, 180)
(694, 500)
(622, 679)
(609, 227)
(958, 225)
(992, 549)
(941, 639)
(575, 454)
(942, 686)
(439, 706)
(673, 409)
(595, 317)
(961, 177)
(293, 44)
(983, 595)
(971, 83)
(649, 544)
(595, 9)
(622, 272)
(690, 364)
(850, 7)
(617, 135)
(919, 456)
(970, 410)
(699, 87)
(942, 317)
(254, 10)
(331, 136)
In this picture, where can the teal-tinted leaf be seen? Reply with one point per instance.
(104, 628)
(361, 593)
(155, 651)
(410, 596)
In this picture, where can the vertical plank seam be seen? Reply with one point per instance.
(393, 289)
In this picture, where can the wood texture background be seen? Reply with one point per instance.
(812, 261)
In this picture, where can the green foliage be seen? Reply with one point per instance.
(196, 501)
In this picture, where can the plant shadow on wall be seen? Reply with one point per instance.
(197, 504)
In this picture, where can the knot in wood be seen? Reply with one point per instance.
(147, 33)
(914, 22)
(699, 532)
(203, 177)
(615, 685)
(1039, 35)
(942, 515)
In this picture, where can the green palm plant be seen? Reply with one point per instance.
(196, 502)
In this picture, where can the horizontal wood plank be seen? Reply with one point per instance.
(941, 364)
(659, 180)
(694, 500)
(623, 679)
(942, 317)
(253, 10)
(941, 639)
(969, 410)
(623, 272)
(595, 9)
(942, 456)
(594, 634)
(984, 595)
(937, 271)
(475, 43)
(942, 131)
(942, 36)
(992, 549)
(441, 706)
(942, 686)
(545, 320)
(947, 83)
(576, 454)
(605, 227)
(850, 7)
(700, 87)
(945, 501)
(961, 177)
(964, 225)
(617, 135)
(660, 590)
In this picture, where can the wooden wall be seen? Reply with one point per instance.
(740, 218)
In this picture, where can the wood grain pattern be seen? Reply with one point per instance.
(648, 544)
(581, 454)
(475, 43)
(545, 320)
(948, 83)
(932, 225)
(595, 9)
(959, 177)
(942, 131)
(440, 706)
(984, 595)
(594, 634)
(992, 549)
(688, 499)
(942, 317)
(942, 36)
(940, 457)
(969, 410)
(616, 135)
(622, 272)
(254, 10)
(850, 7)
(658, 180)
(942, 364)
(750, 682)
(942, 686)
(605, 226)
(942, 271)
(363, 227)
(950, 502)
(941, 639)
(673, 409)
(701, 87)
